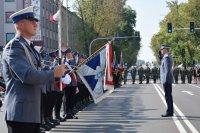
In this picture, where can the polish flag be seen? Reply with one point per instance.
(55, 18)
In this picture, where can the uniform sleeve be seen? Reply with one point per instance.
(21, 68)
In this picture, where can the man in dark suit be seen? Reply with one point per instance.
(23, 77)
(166, 77)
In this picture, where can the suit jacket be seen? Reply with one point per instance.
(23, 82)
(166, 75)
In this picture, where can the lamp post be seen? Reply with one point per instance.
(107, 38)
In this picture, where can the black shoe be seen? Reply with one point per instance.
(55, 121)
(45, 127)
(71, 117)
(75, 117)
(60, 119)
(167, 115)
(51, 125)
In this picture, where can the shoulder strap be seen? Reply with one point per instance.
(28, 55)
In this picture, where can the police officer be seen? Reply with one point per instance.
(23, 77)
(183, 73)
(70, 90)
(141, 74)
(133, 74)
(176, 74)
(189, 74)
(166, 78)
(154, 72)
(147, 73)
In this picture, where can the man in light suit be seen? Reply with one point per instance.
(166, 77)
(24, 80)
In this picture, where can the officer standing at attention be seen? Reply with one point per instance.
(23, 77)
(141, 74)
(147, 73)
(183, 73)
(133, 74)
(166, 78)
(176, 74)
(154, 73)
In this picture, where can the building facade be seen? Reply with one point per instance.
(47, 34)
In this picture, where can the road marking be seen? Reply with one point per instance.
(185, 120)
(189, 92)
(195, 86)
(175, 119)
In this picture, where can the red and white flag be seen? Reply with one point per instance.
(109, 65)
(55, 18)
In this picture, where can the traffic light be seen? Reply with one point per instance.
(192, 28)
(169, 27)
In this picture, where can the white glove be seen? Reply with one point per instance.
(67, 79)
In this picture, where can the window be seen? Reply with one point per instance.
(9, 0)
(9, 36)
(7, 15)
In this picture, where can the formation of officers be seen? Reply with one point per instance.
(181, 74)
(71, 97)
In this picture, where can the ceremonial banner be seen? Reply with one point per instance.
(92, 73)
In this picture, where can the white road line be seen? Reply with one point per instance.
(195, 86)
(188, 92)
(175, 119)
(185, 120)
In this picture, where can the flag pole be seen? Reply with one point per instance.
(94, 53)
(60, 37)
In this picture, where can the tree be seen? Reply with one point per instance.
(131, 46)
(100, 18)
(180, 40)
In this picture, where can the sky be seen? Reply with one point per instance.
(149, 14)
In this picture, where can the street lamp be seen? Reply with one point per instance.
(107, 38)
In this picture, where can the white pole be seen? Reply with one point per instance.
(60, 37)
(67, 24)
(60, 31)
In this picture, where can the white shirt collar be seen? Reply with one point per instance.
(28, 41)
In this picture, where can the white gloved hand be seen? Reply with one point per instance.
(67, 79)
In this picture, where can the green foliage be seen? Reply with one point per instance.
(131, 46)
(106, 18)
(184, 45)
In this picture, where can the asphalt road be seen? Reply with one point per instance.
(137, 108)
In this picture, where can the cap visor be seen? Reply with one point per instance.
(33, 19)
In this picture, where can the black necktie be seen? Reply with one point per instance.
(32, 46)
(35, 53)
